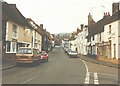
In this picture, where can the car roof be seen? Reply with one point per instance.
(27, 48)
(43, 51)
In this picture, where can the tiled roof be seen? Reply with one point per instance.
(114, 17)
(98, 27)
(10, 12)
(39, 30)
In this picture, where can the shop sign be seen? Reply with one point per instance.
(103, 44)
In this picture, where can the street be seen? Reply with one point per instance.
(60, 69)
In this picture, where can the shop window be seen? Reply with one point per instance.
(11, 47)
(14, 46)
(8, 46)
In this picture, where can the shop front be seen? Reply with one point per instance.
(104, 50)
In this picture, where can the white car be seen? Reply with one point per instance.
(73, 54)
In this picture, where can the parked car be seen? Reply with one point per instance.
(68, 51)
(28, 55)
(73, 54)
(44, 56)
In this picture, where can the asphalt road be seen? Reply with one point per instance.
(60, 69)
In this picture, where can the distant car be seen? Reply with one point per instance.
(68, 51)
(27, 55)
(73, 53)
(44, 56)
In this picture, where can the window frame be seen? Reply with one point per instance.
(14, 31)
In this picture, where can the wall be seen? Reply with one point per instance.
(114, 37)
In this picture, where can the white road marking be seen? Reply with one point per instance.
(85, 66)
(29, 80)
(87, 78)
(96, 81)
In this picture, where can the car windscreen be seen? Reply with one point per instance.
(24, 51)
(73, 52)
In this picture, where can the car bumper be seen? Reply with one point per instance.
(73, 55)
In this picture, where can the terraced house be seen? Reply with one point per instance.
(112, 37)
(17, 32)
(37, 34)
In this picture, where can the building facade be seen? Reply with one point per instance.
(16, 30)
(111, 34)
(37, 34)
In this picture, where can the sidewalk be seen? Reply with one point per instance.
(94, 60)
(8, 63)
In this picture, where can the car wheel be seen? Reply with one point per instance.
(34, 64)
(47, 60)
(38, 62)
(18, 64)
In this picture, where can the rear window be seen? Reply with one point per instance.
(24, 51)
(43, 52)
(73, 52)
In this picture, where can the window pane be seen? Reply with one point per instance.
(24, 51)
(13, 46)
(8, 46)
(14, 31)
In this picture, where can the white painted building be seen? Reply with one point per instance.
(112, 34)
(81, 40)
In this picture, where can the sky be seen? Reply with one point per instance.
(63, 16)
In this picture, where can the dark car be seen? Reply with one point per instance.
(44, 56)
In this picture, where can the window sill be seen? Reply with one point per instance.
(11, 52)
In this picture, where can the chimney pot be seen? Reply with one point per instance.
(106, 14)
(41, 26)
(82, 26)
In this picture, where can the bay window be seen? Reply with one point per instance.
(11, 47)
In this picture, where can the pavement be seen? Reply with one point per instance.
(94, 60)
(8, 63)
(11, 63)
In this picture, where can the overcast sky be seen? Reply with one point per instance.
(62, 16)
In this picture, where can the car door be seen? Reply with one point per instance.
(38, 54)
(35, 54)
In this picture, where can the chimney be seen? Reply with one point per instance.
(41, 26)
(115, 7)
(106, 14)
(78, 30)
(82, 27)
